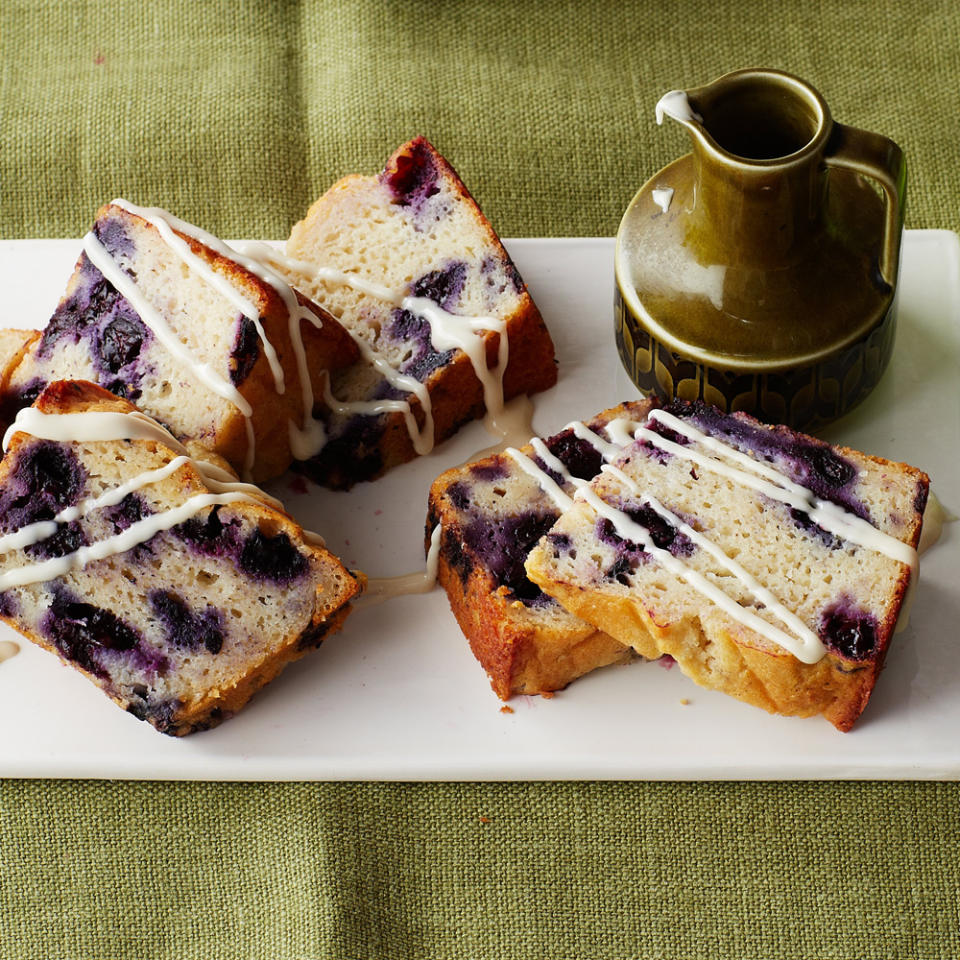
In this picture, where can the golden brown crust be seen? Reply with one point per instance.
(519, 658)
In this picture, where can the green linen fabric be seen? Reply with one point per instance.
(236, 115)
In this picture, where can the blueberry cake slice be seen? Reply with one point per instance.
(491, 513)
(205, 340)
(176, 590)
(412, 268)
(768, 564)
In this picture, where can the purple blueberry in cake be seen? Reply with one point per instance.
(46, 479)
(272, 558)
(130, 510)
(186, 628)
(848, 630)
(91, 636)
(68, 538)
(502, 546)
(245, 352)
(413, 177)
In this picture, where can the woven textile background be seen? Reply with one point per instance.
(236, 115)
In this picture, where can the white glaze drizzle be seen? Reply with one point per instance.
(549, 486)
(203, 372)
(160, 221)
(675, 104)
(448, 331)
(91, 426)
(95, 426)
(422, 581)
(619, 431)
(804, 644)
(770, 482)
(630, 530)
(135, 534)
(662, 197)
(307, 439)
(33, 533)
(513, 426)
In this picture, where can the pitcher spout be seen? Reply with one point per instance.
(676, 105)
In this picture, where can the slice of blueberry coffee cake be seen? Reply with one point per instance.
(207, 341)
(447, 329)
(176, 590)
(491, 513)
(768, 564)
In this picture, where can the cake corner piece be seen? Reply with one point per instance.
(176, 590)
(491, 512)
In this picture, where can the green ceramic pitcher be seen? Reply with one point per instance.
(759, 272)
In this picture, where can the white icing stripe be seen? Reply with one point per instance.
(135, 534)
(422, 439)
(804, 644)
(451, 332)
(27, 535)
(91, 426)
(203, 372)
(160, 221)
(619, 430)
(95, 426)
(546, 482)
(35, 532)
(628, 529)
(555, 463)
(831, 517)
(448, 331)
(308, 438)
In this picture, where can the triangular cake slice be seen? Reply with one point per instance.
(176, 590)
(207, 341)
(408, 263)
(490, 514)
(770, 565)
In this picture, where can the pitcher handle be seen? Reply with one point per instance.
(879, 158)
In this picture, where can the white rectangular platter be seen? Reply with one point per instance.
(397, 694)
